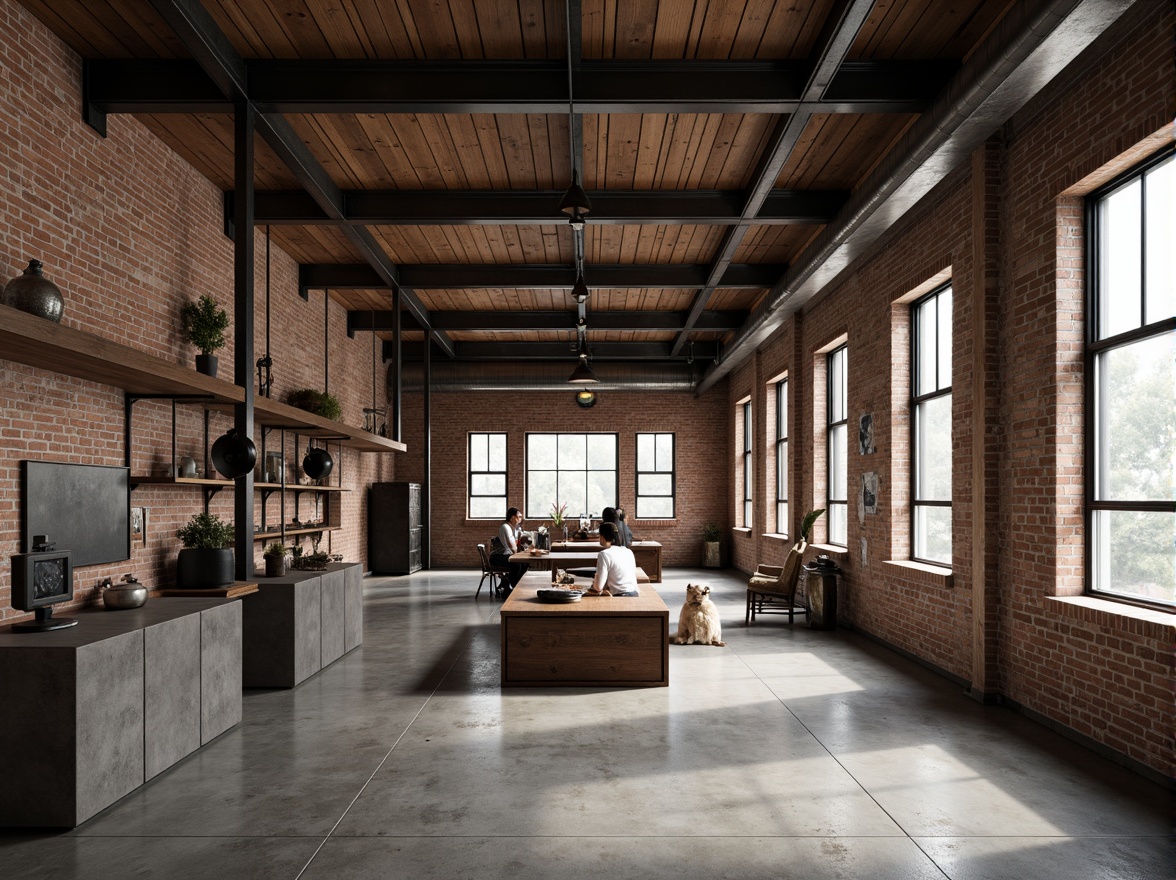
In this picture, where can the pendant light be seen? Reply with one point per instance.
(583, 374)
(575, 201)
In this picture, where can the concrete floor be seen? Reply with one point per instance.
(789, 753)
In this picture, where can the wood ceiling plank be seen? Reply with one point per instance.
(341, 27)
(516, 150)
(541, 155)
(541, 23)
(624, 133)
(466, 28)
(500, 27)
(397, 171)
(751, 29)
(792, 29)
(438, 38)
(634, 20)
(384, 29)
(773, 244)
(672, 30)
(750, 139)
(497, 174)
(255, 30)
(720, 28)
(649, 151)
(446, 159)
(712, 148)
(462, 134)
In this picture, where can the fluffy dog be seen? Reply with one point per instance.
(698, 624)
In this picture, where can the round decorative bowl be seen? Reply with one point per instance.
(124, 596)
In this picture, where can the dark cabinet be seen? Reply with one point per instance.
(394, 527)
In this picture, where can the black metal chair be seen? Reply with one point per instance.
(489, 570)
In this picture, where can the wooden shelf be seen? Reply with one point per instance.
(265, 536)
(298, 487)
(180, 481)
(59, 348)
(232, 591)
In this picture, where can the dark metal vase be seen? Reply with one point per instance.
(32, 292)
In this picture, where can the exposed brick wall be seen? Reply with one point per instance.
(1015, 207)
(700, 426)
(129, 232)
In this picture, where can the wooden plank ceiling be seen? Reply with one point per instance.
(712, 141)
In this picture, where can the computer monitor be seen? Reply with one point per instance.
(41, 579)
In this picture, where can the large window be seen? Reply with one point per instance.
(1131, 370)
(487, 476)
(782, 457)
(837, 438)
(655, 476)
(579, 470)
(931, 446)
(745, 463)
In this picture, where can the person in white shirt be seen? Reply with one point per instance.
(505, 543)
(616, 568)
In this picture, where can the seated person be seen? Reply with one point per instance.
(623, 524)
(616, 568)
(504, 544)
(610, 515)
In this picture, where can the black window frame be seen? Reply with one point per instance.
(830, 425)
(782, 457)
(470, 473)
(916, 399)
(673, 472)
(1095, 347)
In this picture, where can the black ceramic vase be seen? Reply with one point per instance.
(199, 568)
(318, 463)
(32, 292)
(233, 454)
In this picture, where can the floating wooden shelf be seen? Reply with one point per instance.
(59, 348)
(232, 591)
(265, 536)
(180, 481)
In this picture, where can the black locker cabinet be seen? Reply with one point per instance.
(394, 528)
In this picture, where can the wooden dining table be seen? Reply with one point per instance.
(647, 553)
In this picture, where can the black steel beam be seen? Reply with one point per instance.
(515, 321)
(504, 207)
(360, 276)
(548, 351)
(294, 86)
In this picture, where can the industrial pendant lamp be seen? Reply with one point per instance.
(583, 374)
(575, 201)
(580, 289)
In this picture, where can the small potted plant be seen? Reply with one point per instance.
(207, 557)
(806, 526)
(204, 324)
(558, 513)
(275, 560)
(318, 402)
(711, 545)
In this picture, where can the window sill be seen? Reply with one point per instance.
(836, 553)
(923, 573)
(1122, 616)
(739, 530)
(774, 536)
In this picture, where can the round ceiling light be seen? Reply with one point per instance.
(586, 399)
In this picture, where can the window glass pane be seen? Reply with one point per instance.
(478, 457)
(665, 452)
(574, 492)
(646, 460)
(838, 528)
(602, 451)
(1119, 253)
(541, 491)
(1134, 553)
(1137, 427)
(573, 451)
(933, 449)
(782, 409)
(837, 386)
(782, 471)
(601, 491)
(496, 452)
(838, 464)
(655, 508)
(926, 348)
(488, 484)
(782, 518)
(1160, 184)
(541, 452)
(655, 484)
(944, 334)
(487, 508)
(933, 534)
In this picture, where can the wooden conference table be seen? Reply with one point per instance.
(609, 641)
(647, 553)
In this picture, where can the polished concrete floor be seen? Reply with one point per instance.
(789, 753)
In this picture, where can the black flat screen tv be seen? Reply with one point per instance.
(85, 509)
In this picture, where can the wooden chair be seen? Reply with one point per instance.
(490, 570)
(772, 589)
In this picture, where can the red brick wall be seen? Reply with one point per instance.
(1017, 206)
(129, 232)
(700, 426)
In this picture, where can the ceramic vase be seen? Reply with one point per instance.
(32, 292)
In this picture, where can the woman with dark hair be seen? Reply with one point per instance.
(612, 515)
(504, 544)
(623, 526)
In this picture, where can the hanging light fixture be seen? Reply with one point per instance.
(583, 374)
(580, 289)
(265, 363)
(575, 201)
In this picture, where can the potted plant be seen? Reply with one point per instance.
(207, 557)
(204, 324)
(711, 545)
(275, 560)
(558, 512)
(806, 526)
(318, 402)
